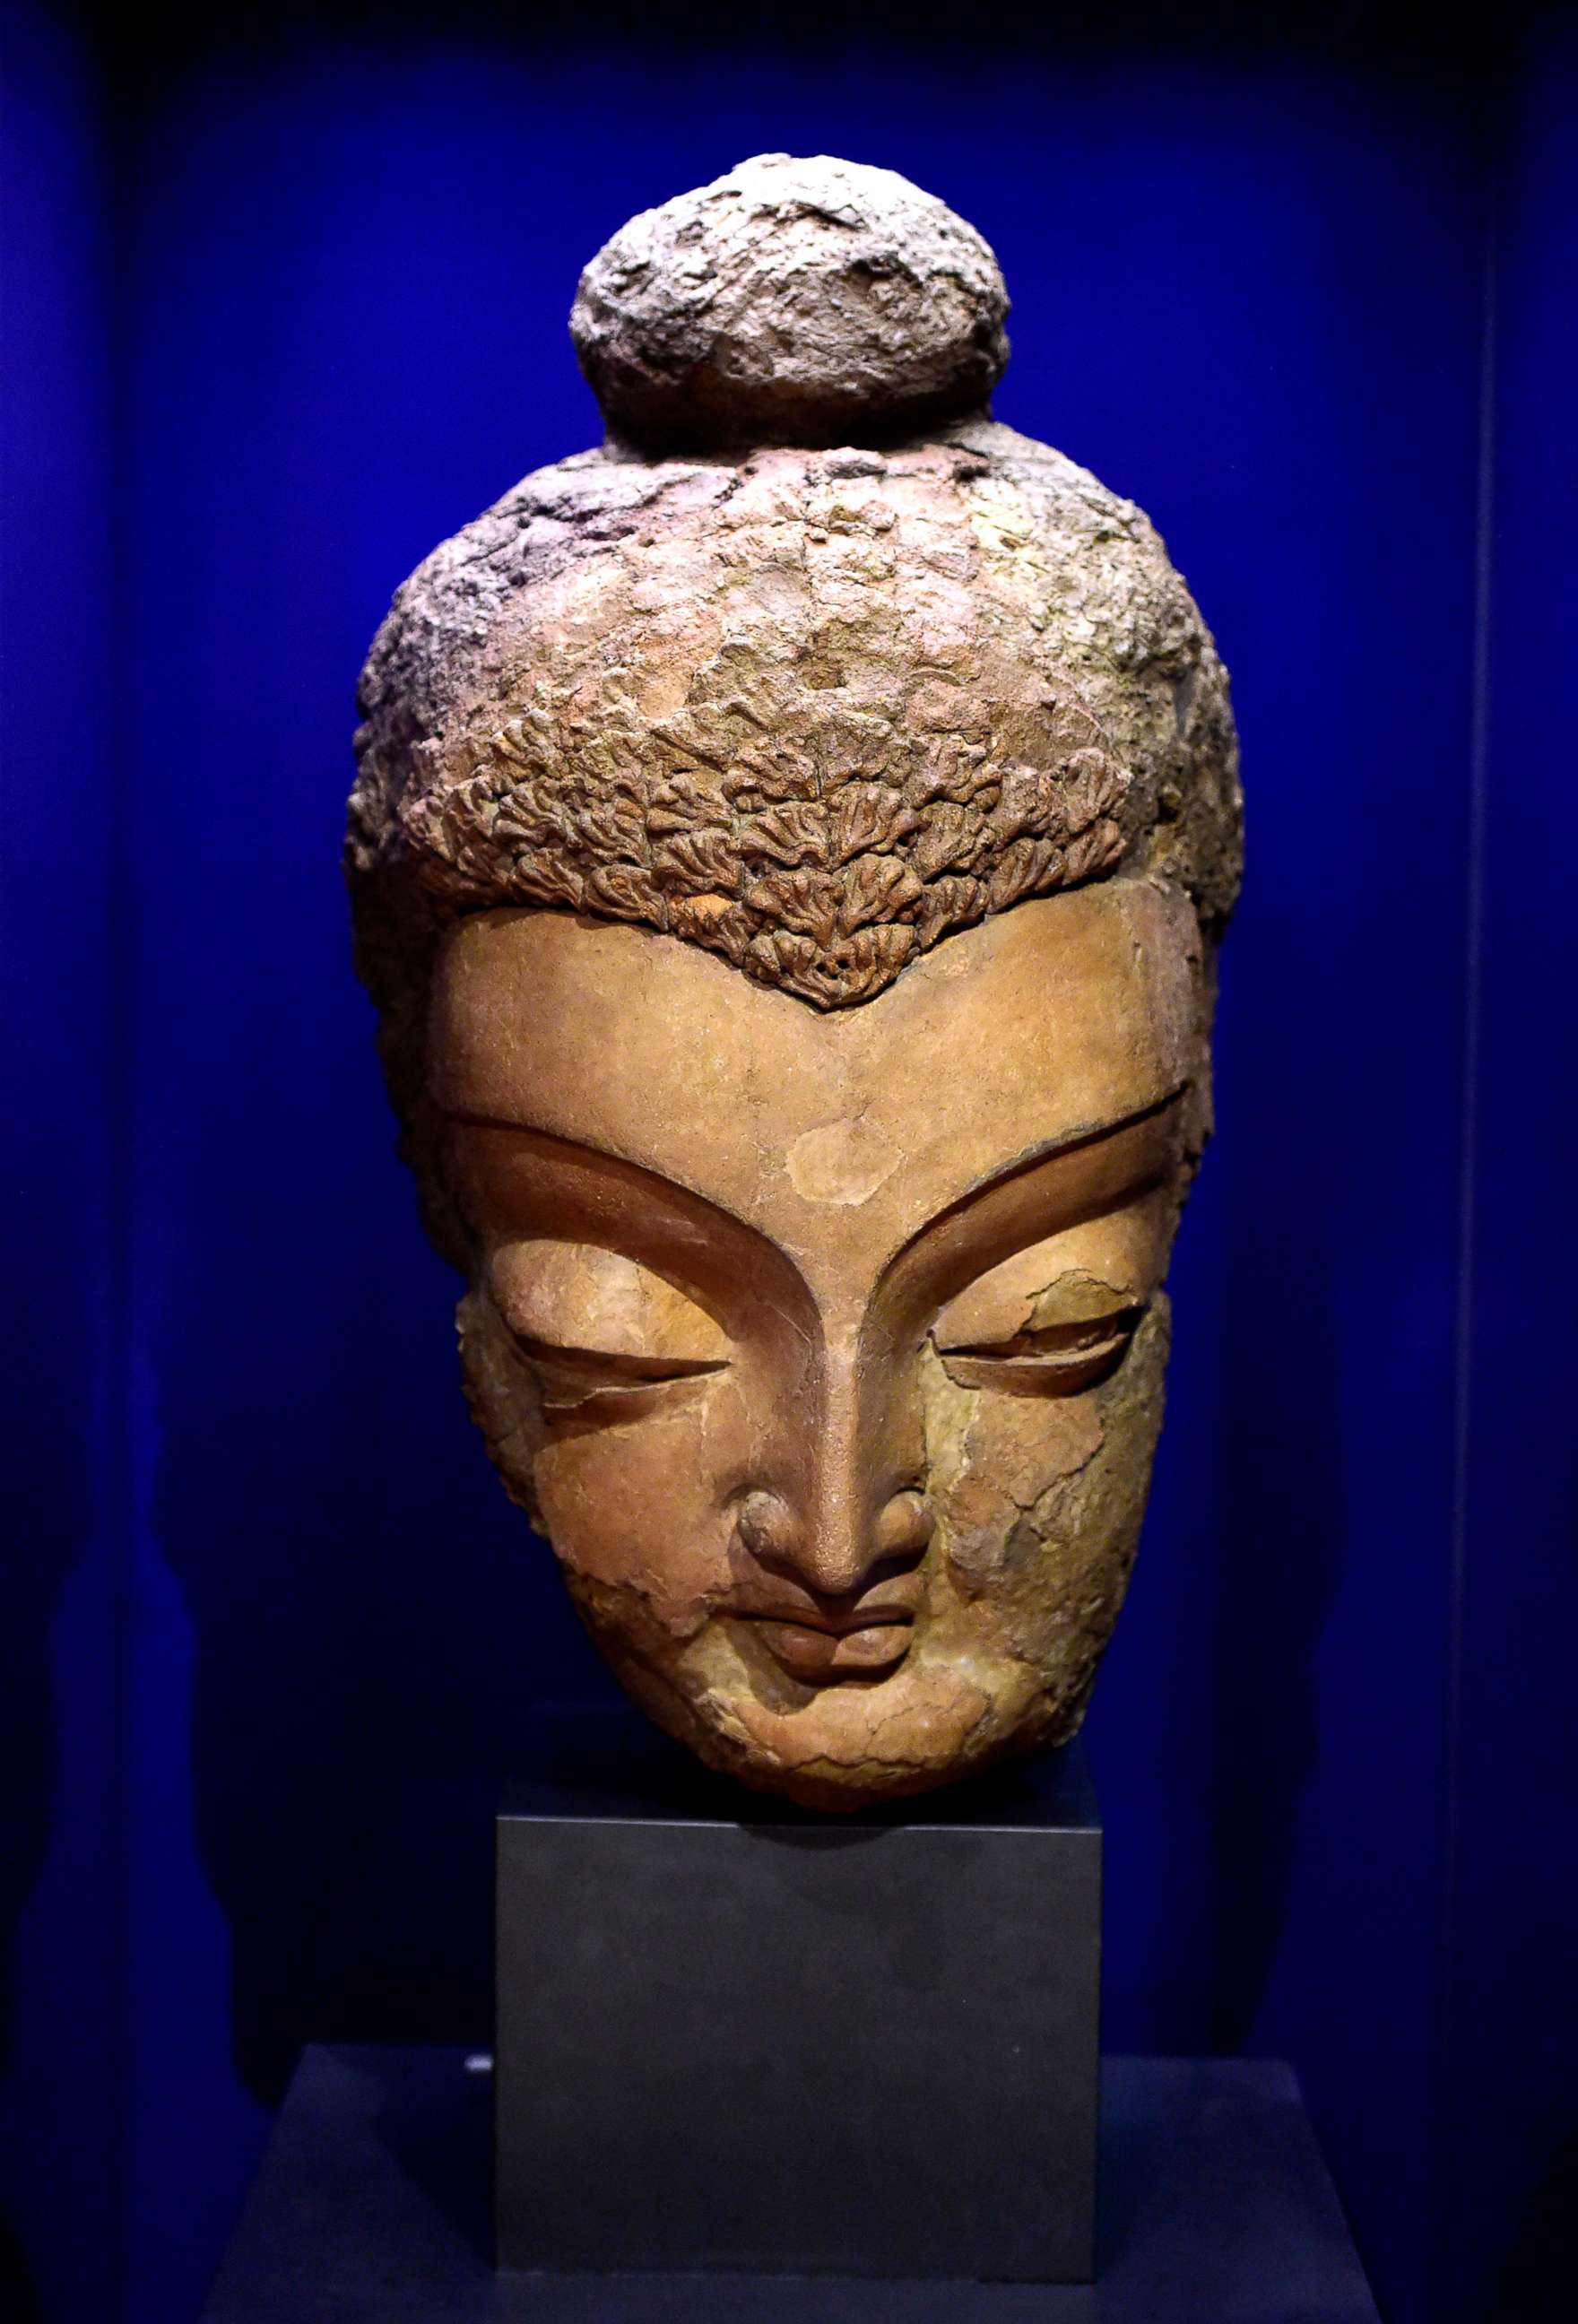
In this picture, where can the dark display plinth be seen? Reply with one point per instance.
(733, 2035)
(372, 2207)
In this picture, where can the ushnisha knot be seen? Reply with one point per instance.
(796, 300)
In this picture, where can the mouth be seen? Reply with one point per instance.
(814, 1650)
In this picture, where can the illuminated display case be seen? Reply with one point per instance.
(273, 305)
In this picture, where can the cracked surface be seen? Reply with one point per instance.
(847, 1489)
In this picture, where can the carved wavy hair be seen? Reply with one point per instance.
(813, 710)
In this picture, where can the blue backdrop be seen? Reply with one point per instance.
(281, 315)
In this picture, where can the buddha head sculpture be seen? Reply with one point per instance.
(789, 854)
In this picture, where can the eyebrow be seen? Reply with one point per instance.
(680, 1198)
(1032, 1158)
(1068, 1141)
(1053, 1149)
(684, 1203)
(1026, 1165)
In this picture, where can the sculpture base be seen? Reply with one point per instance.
(372, 2207)
(735, 2035)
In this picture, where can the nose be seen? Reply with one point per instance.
(853, 1514)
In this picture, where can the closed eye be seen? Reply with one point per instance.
(1049, 1359)
(602, 1370)
(587, 1385)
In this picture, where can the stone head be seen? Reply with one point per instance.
(788, 855)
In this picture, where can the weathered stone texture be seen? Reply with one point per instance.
(810, 709)
(793, 301)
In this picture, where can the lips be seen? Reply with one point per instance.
(814, 1650)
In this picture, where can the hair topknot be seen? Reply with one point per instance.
(793, 301)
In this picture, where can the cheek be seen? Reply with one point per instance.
(1039, 1498)
(648, 1504)
(645, 1505)
(993, 1458)
(501, 1398)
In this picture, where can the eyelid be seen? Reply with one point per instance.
(556, 1294)
(524, 1187)
(1061, 1360)
(601, 1368)
(1060, 1288)
(579, 1388)
(1066, 1342)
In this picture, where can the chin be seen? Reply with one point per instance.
(847, 1744)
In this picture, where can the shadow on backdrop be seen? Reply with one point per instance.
(375, 1619)
(1284, 1519)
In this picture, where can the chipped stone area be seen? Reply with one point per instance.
(1038, 1502)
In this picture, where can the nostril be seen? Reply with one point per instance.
(904, 1527)
(766, 1527)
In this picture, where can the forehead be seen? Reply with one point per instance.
(1037, 1027)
